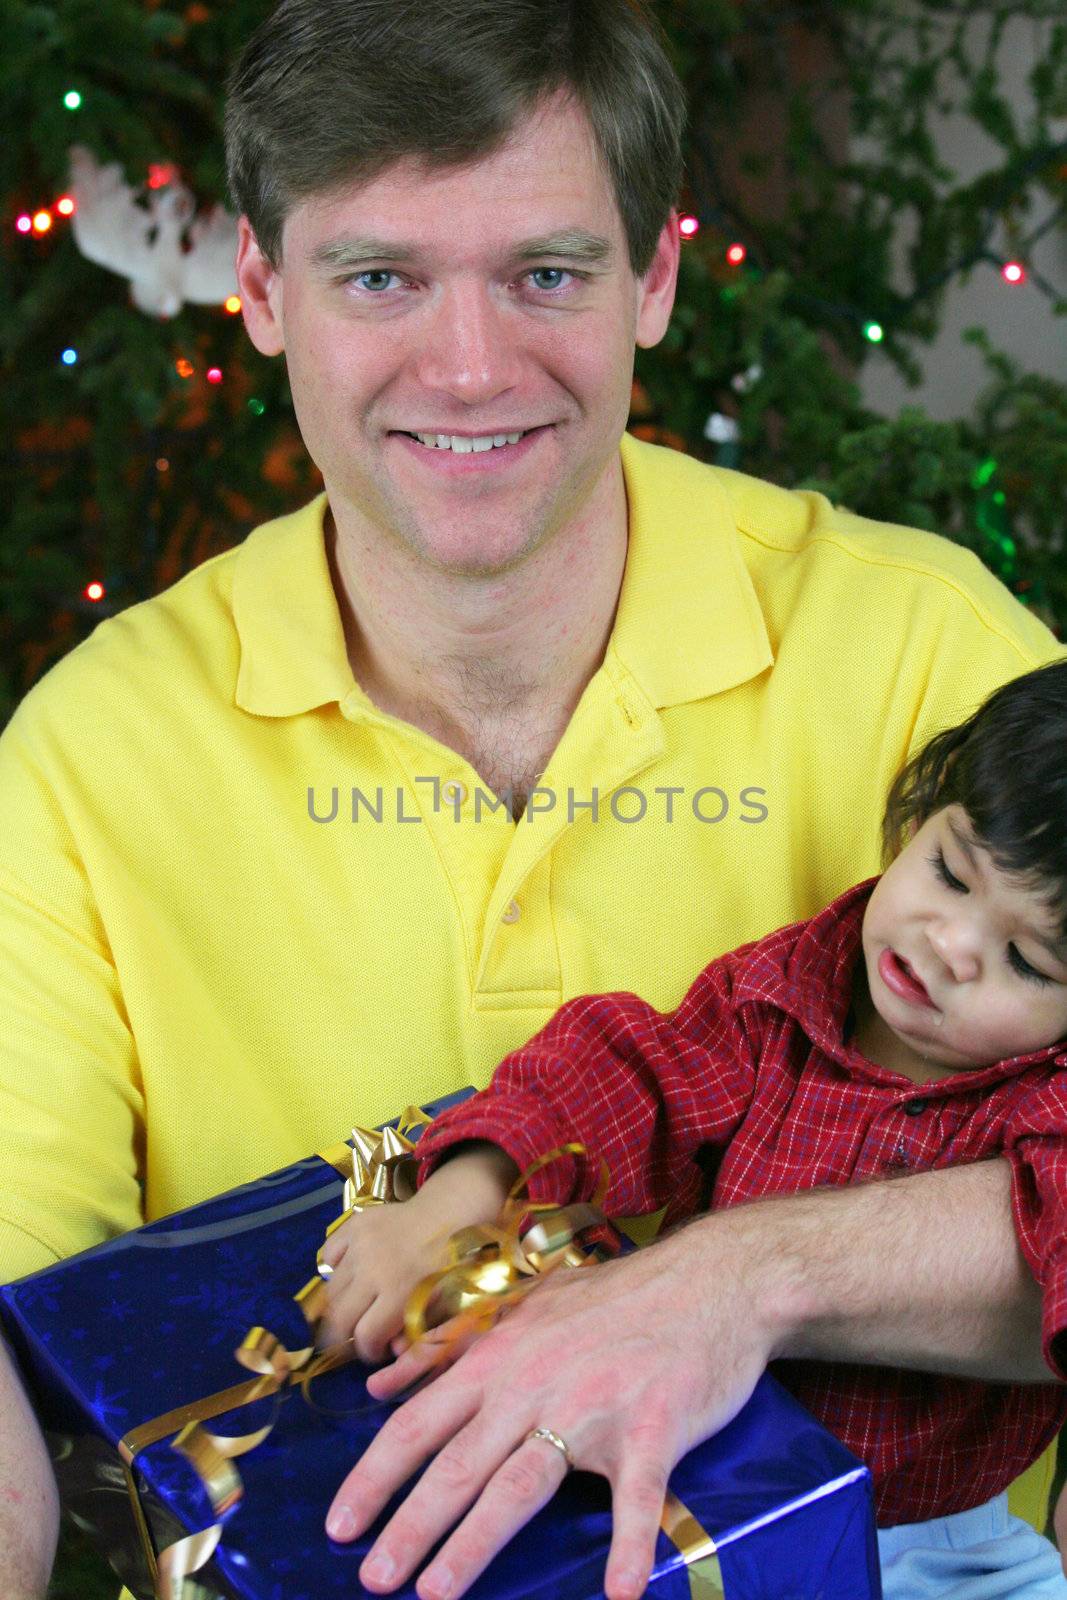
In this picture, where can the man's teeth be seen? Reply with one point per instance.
(464, 447)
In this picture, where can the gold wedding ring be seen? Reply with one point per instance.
(554, 1439)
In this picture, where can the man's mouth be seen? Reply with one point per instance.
(465, 444)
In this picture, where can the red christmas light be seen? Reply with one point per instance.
(687, 226)
(94, 590)
(214, 374)
(1013, 272)
(736, 254)
(65, 205)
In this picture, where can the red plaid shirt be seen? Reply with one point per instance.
(755, 1061)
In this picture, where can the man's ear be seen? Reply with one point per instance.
(657, 287)
(260, 288)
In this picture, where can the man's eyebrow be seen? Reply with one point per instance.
(573, 244)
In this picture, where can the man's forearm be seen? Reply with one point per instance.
(921, 1272)
(29, 1505)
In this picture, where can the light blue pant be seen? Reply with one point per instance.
(984, 1554)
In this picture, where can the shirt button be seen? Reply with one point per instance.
(454, 792)
(513, 913)
(914, 1108)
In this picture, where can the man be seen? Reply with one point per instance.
(457, 222)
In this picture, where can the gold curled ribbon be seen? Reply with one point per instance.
(488, 1268)
(492, 1266)
(378, 1168)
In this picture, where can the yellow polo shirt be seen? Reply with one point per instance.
(240, 907)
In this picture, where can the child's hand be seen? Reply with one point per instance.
(379, 1255)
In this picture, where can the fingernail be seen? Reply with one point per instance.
(379, 1569)
(341, 1524)
(627, 1583)
(444, 1582)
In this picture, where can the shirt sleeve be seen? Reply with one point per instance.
(70, 1102)
(1036, 1147)
(640, 1089)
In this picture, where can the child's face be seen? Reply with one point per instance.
(964, 966)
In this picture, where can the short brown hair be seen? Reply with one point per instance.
(327, 93)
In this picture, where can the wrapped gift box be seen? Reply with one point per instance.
(148, 1324)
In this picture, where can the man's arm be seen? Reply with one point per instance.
(635, 1363)
(29, 1505)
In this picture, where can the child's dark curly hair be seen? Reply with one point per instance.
(1007, 767)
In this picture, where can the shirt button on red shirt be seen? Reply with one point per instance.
(914, 1108)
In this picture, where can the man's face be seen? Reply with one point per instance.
(438, 304)
(965, 964)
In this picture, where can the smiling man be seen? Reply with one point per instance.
(518, 708)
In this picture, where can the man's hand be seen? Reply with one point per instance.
(633, 1363)
(630, 1363)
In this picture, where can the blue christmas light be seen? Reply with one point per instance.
(69, 357)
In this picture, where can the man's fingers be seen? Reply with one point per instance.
(524, 1479)
(636, 1508)
(421, 1426)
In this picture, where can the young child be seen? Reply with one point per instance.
(917, 1022)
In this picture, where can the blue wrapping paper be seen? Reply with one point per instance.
(150, 1321)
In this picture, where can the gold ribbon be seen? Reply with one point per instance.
(488, 1269)
(378, 1167)
(492, 1266)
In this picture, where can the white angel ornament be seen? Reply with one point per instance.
(146, 246)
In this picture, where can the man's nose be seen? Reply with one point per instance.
(471, 349)
(957, 943)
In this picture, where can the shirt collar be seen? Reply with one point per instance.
(688, 622)
(293, 653)
(806, 972)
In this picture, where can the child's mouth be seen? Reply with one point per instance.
(898, 976)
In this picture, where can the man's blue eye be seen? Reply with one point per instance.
(375, 272)
(557, 271)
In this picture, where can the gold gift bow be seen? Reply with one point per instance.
(493, 1265)
(378, 1167)
(490, 1268)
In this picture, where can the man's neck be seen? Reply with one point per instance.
(492, 667)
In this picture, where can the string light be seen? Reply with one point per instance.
(72, 99)
(874, 332)
(256, 407)
(1013, 272)
(688, 226)
(160, 173)
(94, 590)
(69, 357)
(736, 254)
(24, 223)
(183, 368)
(42, 222)
(233, 304)
(214, 374)
(65, 205)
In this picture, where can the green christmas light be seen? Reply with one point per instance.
(256, 407)
(72, 99)
(874, 332)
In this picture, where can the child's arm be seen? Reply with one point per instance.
(379, 1255)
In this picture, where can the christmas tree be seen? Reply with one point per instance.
(144, 433)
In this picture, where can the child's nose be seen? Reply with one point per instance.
(955, 941)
